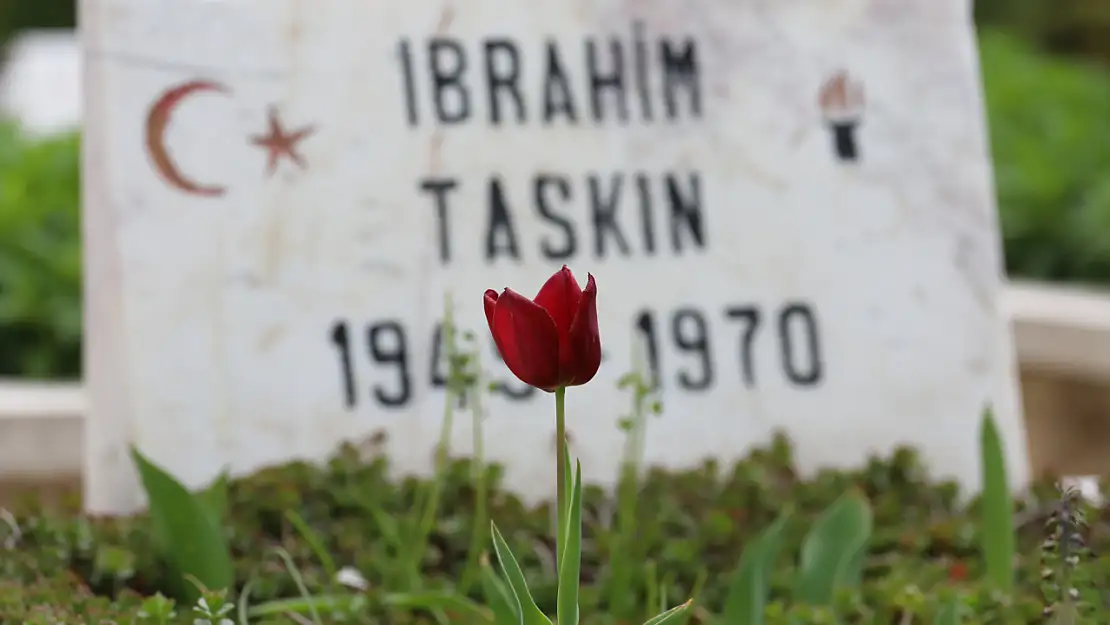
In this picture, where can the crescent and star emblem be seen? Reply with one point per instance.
(277, 141)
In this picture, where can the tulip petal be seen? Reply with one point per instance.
(491, 305)
(526, 336)
(502, 332)
(585, 338)
(559, 296)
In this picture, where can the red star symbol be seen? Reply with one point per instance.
(279, 143)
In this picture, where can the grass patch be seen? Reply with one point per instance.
(690, 530)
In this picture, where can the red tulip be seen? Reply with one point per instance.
(553, 341)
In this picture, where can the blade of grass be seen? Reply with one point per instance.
(304, 605)
(997, 531)
(314, 542)
(243, 605)
(668, 579)
(418, 546)
(626, 553)
(652, 599)
(949, 613)
(571, 562)
(481, 496)
(622, 556)
(529, 611)
(298, 579)
(683, 617)
(506, 609)
(669, 614)
(387, 526)
(438, 601)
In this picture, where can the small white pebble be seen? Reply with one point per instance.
(351, 578)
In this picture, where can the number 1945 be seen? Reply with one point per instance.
(389, 354)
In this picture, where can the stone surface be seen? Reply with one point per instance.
(788, 208)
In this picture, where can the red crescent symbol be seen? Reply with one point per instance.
(157, 121)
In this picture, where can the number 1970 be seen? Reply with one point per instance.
(796, 331)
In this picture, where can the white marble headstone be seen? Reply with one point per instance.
(788, 205)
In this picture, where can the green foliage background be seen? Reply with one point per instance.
(1079, 28)
(16, 15)
(1050, 137)
(1050, 132)
(687, 532)
(40, 256)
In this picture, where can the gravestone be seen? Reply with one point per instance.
(788, 208)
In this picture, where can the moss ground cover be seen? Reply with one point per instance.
(690, 529)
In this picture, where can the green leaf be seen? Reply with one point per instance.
(571, 563)
(530, 613)
(997, 532)
(949, 613)
(568, 491)
(188, 529)
(669, 614)
(831, 549)
(506, 609)
(748, 589)
(215, 496)
(852, 575)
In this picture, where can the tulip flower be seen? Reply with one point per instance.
(550, 342)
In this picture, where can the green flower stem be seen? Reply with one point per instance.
(560, 470)
(478, 472)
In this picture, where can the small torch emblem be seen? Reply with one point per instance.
(841, 100)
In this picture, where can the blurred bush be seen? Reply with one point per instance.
(1071, 27)
(17, 15)
(1080, 27)
(40, 256)
(1050, 132)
